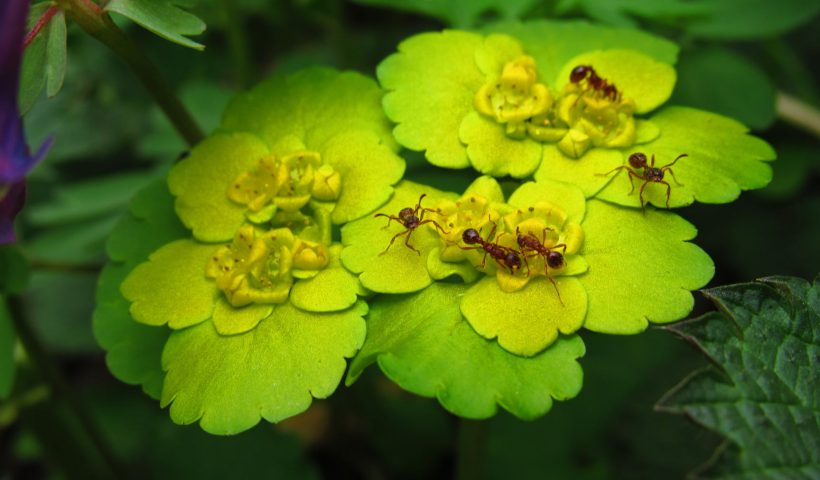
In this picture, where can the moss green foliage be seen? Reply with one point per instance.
(7, 343)
(422, 343)
(601, 285)
(761, 392)
(503, 103)
(239, 348)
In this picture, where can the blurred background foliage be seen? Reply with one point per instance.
(737, 57)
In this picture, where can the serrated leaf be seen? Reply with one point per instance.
(554, 43)
(44, 60)
(163, 18)
(133, 350)
(422, 342)
(457, 13)
(723, 160)
(229, 383)
(764, 397)
(7, 342)
(726, 82)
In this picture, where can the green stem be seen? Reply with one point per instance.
(472, 445)
(96, 22)
(798, 113)
(51, 374)
(238, 43)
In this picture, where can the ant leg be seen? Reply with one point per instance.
(633, 174)
(613, 170)
(390, 218)
(643, 205)
(668, 191)
(393, 240)
(653, 160)
(555, 285)
(682, 155)
(418, 205)
(562, 246)
(492, 232)
(407, 242)
(668, 169)
(436, 224)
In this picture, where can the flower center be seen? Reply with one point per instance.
(285, 183)
(515, 96)
(260, 267)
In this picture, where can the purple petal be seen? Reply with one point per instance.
(10, 206)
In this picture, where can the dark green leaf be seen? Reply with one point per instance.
(763, 395)
(44, 60)
(7, 341)
(621, 12)
(458, 13)
(751, 19)
(14, 269)
(163, 18)
(723, 81)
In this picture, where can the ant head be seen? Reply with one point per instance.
(579, 73)
(406, 212)
(512, 261)
(637, 160)
(555, 260)
(471, 236)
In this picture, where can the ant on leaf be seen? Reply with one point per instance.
(529, 242)
(504, 256)
(598, 84)
(411, 219)
(651, 174)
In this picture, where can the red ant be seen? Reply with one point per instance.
(586, 72)
(650, 173)
(552, 259)
(411, 218)
(504, 256)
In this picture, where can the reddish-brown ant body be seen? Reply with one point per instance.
(598, 84)
(651, 174)
(529, 242)
(504, 256)
(411, 219)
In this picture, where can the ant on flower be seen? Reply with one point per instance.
(411, 219)
(529, 242)
(504, 256)
(598, 84)
(651, 174)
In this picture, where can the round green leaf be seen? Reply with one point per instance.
(200, 182)
(492, 152)
(368, 169)
(430, 86)
(133, 350)
(554, 43)
(487, 187)
(529, 320)
(422, 343)
(641, 268)
(313, 104)
(586, 172)
(230, 320)
(333, 288)
(399, 269)
(228, 383)
(171, 287)
(637, 76)
(568, 197)
(722, 160)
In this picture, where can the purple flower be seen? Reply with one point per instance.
(15, 157)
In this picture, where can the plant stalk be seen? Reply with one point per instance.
(96, 22)
(798, 113)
